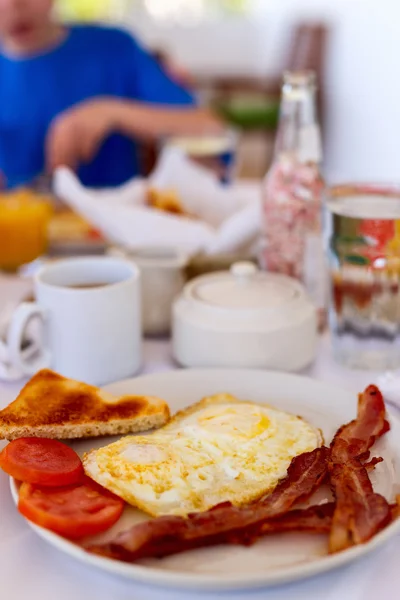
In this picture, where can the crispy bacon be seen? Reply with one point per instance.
(360, 513)
(224, 523)
(371, 464)
(395, 508)
(369, 425)
(171, 535)
(314, 519)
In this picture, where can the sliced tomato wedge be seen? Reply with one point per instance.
(74, 511)
(42, 462)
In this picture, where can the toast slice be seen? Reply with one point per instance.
(55, 407)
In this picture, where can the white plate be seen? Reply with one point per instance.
(274, 559)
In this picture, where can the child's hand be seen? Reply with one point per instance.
(75, 136)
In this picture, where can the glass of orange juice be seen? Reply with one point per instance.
(24, 219)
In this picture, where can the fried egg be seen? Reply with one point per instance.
(220, 449)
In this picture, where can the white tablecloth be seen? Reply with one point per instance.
(31, 569)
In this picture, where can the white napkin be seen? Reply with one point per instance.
(228, 216)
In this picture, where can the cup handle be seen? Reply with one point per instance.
(41, 359)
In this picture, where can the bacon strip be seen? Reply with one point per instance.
(369, 425)
(225, 523)
(395, 508)
(171, 535)
(360, 513)
(371, 464)
(314, 519)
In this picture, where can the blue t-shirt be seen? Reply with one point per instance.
(92, 61)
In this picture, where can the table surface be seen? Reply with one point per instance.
(30, 568)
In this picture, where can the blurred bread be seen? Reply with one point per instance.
(166, 201)
(55, 407)
(68, 226)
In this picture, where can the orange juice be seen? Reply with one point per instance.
(24, 219)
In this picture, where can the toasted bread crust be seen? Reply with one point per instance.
(52, 406)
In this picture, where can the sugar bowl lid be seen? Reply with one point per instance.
(244, 296)
(245, 287)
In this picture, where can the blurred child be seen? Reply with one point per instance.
(80, 96)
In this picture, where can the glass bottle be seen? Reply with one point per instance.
(293, 190)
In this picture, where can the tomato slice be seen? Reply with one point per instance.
(73, 511)
(42, 462)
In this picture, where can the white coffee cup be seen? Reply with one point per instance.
(91, 313)
(162, 280)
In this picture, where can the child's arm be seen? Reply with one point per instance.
(76, 135)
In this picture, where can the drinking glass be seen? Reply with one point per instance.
(24, 220)
(362, 241)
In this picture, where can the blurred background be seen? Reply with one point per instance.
(232, 54)
(234, 51)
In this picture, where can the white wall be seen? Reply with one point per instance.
(363, 83)
(221, 46)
